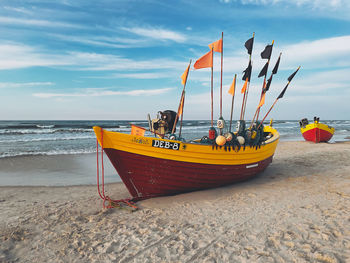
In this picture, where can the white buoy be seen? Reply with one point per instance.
(241, 140)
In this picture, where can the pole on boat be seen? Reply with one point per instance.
(281, 95)
(266, 54)
(182, 113)
(212, 92)
(247, 75)
(232, 91)
(222, 57)
(182, 98)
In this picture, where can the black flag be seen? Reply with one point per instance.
(247, 72)
(283, 91)
(249, 45)
(263, 72)
(268, 84)
(266, 54)
(289, 80)
(292, 76)
(274, 71)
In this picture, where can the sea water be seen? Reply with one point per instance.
(26, 138)
(56, 153)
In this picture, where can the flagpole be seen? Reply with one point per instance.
(182, 94)
(264, 83)
(212, 92)
(281, 95)
(222, 56)
(246, 97)
(182, 115)
(242, 105)
(233, 97)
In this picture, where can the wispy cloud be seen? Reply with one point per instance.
(322, 53)
(23, 85)
(316, 4)
(34, 22)
(157, 33)
(97, 93)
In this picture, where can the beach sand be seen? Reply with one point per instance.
(298, 210)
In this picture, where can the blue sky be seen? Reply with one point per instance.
(81, 59)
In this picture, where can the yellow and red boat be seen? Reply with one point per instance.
(316, 131)
(151, 167)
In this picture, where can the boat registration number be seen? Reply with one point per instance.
(166, 145)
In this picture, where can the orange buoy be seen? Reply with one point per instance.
(220, 140)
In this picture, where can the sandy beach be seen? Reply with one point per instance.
(298, 210)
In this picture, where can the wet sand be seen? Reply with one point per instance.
(298, 210)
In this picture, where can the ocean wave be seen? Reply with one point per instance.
(55, 152)
(48, 139)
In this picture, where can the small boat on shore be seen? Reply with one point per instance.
(151, 167)
(316, 131)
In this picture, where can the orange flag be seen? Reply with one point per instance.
(181, 106)
(216, 46)
(244, 86)
(206, 61)
(262, 101)
(184, 75)
(136, 130)
(233, 86)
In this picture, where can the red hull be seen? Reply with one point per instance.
(317, 135)
(147, 177)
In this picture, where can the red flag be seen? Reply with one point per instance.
(244, 86)
(206, 61)
(216, 46)
(185, 75)
(233, 87)
(136, 130)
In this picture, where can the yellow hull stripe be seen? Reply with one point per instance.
(187, 152)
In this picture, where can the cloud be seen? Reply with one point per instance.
(322, 53)
(99, 93)
(15, 56)
(313, 4)
(23, 85)
(35, 22)
(157, 33)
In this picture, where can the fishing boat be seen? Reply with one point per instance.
(316, 131)
(163, 163)
(151, 167)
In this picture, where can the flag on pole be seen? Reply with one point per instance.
(136, 130)
(206, 61)
(247, 72)
(244, 86)
(275, 69)
(262, 100)
(263, 72)
(233, 87)
(181, 105)
(292, 76)
(216, 46)
(267, 86)
(266, 54)
(282, 93)
(289, 80)
(185, 75)
(249, 45)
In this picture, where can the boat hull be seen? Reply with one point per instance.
(147, 177)
(151, 167)
(317, 132)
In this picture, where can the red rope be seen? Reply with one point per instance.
(122, 203)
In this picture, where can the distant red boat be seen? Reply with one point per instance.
(316, 131)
